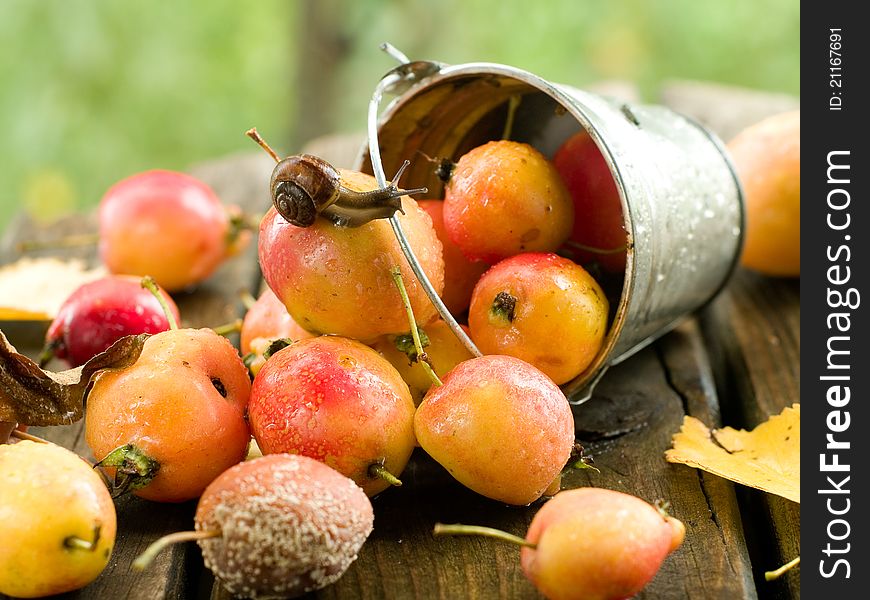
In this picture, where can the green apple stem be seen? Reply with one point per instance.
(248, 300)
(458, 529)
(133, 468)
(513, 104)
(47, 352)
(422, 358)
(777, 573)
(73, 542)
(379, 471)
(143, 560)
(579, 460)
(228, 328)
(149, 284)
(594, 250)
(255, 135)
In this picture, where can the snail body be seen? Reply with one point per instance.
(305, 186)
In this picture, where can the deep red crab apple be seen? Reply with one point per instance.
(100, 313)
(599, 225)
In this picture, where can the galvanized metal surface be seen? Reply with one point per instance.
(681, 201)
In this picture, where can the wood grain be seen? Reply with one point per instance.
(752, 334)
(753, 331)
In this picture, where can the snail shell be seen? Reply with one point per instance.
(302, 186)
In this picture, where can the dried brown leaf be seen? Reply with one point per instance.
(32, 396)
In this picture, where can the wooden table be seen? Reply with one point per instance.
(735, 362)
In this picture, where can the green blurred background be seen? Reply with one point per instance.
(95, 91)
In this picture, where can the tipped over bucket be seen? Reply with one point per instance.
(680, 198)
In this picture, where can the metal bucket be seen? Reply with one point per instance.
(681, 200)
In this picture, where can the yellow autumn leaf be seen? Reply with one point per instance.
(767, 458)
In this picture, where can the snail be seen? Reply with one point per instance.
(305, 186)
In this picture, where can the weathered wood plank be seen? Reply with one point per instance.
(176, 573)
(753, 331)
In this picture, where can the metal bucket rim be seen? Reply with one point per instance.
(573, 106)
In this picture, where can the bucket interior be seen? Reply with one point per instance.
(446, 117)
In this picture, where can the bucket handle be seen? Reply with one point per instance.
(398, 81)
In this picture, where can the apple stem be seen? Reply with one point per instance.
(239, 223)
(504, 306)
(594, 250)
(255, 135)
(48, 351)
(143, 560)
(663, 507)
(513, 103)
(70, 241)
(777, 573)
(73, 542)
(378, 470)
(459, 529)
(133, 469)
(23, 435)
(149, 284)
(422, 358)
(228, 328)
(579, 460)
(247, 298)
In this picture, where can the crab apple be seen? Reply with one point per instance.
(505, 198)
(168, 225)
(767, 158)
(590, 544)
(101, 312)
(525, 302)
(499, 426)
(57, 520)
(460, 273)
(174, 420)
(267, 321)
(444, 351)
(598, 220)
(337, 279)
(597, 544)
(277, 527)
(340, 402)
